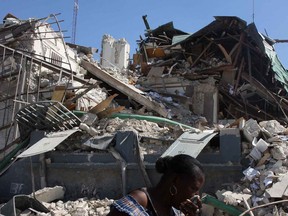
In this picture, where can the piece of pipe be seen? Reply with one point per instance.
(261, 206)
(231, 210)
(155, 119)
(248, 207)
(8, 158)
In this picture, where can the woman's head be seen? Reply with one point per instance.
(183, 175)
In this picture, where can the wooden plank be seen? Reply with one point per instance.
(109, 111)
(234, 49)
(265, 93)
(235, 60)
(239, 75)
(223, 50)
(249, 63)
(128, 90)
(103, 104)
(202, 53)
(58, 93)
(263, 160)
(71, 102)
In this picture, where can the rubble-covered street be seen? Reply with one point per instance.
(75, 132)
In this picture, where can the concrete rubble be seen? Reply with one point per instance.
(81, 206)
(50, 198)
(265, 176)
(224, 79)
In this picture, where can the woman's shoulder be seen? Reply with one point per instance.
(134, 203)
(140, 195)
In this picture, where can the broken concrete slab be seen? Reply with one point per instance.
(251, 129)
(20, 203)
(235, 198)
(49, 194)
(189, 143)
(278, 189)
(156, 72)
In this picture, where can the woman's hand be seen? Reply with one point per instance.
(191, 207)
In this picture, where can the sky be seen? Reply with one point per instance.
(123, 18)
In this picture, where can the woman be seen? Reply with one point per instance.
(182, 178)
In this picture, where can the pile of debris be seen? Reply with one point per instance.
(153, 138)
(79, 207)
(263, 186)
(48, 201)
(265, 181)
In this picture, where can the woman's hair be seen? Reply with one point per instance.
(179, 164)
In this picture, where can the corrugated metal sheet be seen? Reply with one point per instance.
(47, 143)
(280, 72)
(189, 143)
(179, 38)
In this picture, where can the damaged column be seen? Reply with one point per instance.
(115, 53)
(204, 95)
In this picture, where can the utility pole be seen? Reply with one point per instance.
(74, 24)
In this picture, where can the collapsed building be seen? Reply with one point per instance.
(225, 70)
(65, 116)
